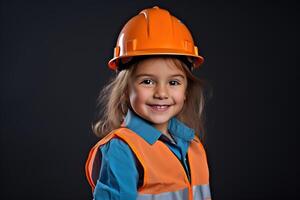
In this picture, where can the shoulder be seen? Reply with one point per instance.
(115, 145)
(118, 176)
(199, 145)
(117, 151)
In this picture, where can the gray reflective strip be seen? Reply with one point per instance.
(178, 195)
(201, 192)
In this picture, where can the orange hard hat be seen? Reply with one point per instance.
(154, 32)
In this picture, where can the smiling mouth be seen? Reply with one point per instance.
(159, 107)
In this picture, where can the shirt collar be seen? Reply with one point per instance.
(180, 130)
(150, 134)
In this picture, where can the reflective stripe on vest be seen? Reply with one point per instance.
(201, 192)
(177, 195)
(164, 175)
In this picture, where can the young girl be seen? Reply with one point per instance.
(152, 116)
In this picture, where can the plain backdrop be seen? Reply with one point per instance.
(54, 62)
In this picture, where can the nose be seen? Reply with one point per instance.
(161, 92)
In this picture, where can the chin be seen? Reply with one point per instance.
(159, 121)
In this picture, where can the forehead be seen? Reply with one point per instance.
(159, 66)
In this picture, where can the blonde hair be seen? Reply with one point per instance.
(114, 103)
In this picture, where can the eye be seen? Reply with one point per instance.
(147, 82)
(174, 82)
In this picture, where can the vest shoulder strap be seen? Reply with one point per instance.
(92, 163)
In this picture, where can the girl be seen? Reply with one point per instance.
(152, 116)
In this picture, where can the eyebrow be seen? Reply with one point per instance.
(152, 75)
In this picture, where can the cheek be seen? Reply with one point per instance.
(179, 96)
(137, 95)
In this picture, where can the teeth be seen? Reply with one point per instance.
(160, 107)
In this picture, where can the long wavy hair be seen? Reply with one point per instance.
(113, 102)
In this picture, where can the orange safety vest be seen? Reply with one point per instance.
(164, 175)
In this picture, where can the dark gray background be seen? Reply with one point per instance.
(53, 64)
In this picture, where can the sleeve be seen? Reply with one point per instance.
(118, 177)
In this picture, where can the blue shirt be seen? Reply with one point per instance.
(119, 173)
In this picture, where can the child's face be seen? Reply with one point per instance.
(157, 91)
